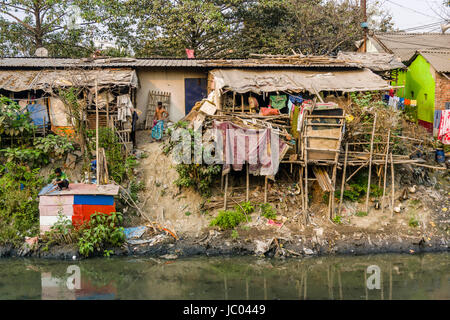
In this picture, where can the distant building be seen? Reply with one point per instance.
(404, 45)
(427, 80)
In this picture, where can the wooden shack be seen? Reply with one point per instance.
(77, 203)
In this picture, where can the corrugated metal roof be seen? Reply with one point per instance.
(175, 63)
(440, 60)
(23, 80)
(375, 61)
(404, 45)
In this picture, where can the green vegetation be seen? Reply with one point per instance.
(19, 204)
(234, 234)
(198, 177)
(361, 214)
(337, 220)
(413, 222)
(228, 219)
(102, 231)
(358, 188)
(267, 211)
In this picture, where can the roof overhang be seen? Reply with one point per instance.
(46, 79)
(259, 81)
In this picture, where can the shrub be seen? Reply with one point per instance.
(228, 219)
(337, 220)
(267, 211)
(54, 145)
(101, 231)
(19, 204)
(199, 177)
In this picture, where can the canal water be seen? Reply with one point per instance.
(375, 277)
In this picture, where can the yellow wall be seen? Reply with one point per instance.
(167, 80)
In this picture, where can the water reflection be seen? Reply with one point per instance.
(246, 278)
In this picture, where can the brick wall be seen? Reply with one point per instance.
(442, 94)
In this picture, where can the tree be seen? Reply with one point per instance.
(64, 27)
(167, 28)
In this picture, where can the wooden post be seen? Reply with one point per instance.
(265, 189)
(370, 163)
(300, 180)
(234, 100)
(248, 183)
(96, 131)
(344, 172)
(385, 170)
(393, 186)
(242, 102)
(225, 191)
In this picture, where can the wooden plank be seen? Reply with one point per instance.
(385, 171)
(343, 179)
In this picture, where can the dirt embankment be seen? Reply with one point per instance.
(422, 225)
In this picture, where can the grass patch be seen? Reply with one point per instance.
(361, 214)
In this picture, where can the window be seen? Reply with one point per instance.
(426, 96)
(412, 94)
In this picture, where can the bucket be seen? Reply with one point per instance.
(440, 156)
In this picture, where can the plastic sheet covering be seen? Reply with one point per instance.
(282, 80)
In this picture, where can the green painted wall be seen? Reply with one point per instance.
(418, 79)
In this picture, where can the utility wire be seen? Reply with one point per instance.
(424, 14)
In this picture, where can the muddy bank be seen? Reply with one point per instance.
(276, 247)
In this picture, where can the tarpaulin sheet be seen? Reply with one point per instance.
(38, 113)
(82, 213)
(93, 200)
(279, 80)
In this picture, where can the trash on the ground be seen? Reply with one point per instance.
(134, 233)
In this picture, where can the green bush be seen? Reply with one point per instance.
(267, 211)
(19, 202)
(13, 122)
(228, 219)
(199, 177)
(24, 156)
(54, 145)
(102, 231)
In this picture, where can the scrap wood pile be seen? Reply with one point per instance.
(295, 59)
(368, 130)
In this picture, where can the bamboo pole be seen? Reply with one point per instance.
(265, 190)
(370, 163)
(242, 102)
(393, 186)
(385, 171)
(344, 172)
(247, 185)
(96, 131)
(225, 191)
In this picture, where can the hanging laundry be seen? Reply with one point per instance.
(23, 104)
(407, 102)
(278, 102)
(391, 92)
(297, 100)
(444, 127)
(124, 106)
(386, 97)
(413, 103)
(294, 121)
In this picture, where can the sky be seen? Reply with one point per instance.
(413, 13)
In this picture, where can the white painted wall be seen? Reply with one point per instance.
(167, 80)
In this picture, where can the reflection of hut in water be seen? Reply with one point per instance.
(54, 288)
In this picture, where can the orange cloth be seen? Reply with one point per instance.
(269, 112)
(407, 102)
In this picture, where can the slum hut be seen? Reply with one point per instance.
(302, 105)
(77, 203)
(35, 85)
